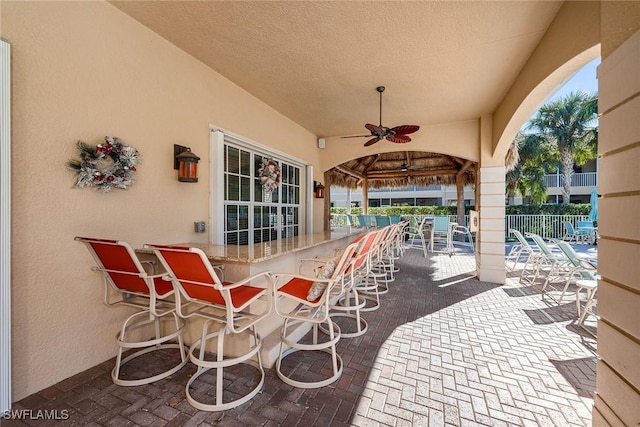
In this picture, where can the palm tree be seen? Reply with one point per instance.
(569, 124)
(530, 154)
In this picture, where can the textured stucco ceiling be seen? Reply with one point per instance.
(319, 63)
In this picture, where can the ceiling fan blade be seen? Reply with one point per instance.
(375, 130)
(405, 129)
(398, 139)
(371, 141)
(355, 136)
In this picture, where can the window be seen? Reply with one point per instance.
(253, 214)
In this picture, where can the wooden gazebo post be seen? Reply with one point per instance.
(365, 197)
(327, 202)
(460, 193)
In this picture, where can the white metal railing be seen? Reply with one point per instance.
(547, 226)
(583, 179)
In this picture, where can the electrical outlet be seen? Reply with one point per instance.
(199, 227)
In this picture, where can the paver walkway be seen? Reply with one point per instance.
(444, 349)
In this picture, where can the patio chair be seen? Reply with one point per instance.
(577, 234)
(416, 236)
(589, 307)
(395, 219)
(369, 284)
(521, 249)
(233, 306)
(382, 221)
(586, 232)
(442, 233)
(365, 220)
(576, 268)
(349, 302)
(127, 283)
(383, 267)
(461, 235)
(545, 261)
(310, 296)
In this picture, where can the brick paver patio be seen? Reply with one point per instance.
(444, 349)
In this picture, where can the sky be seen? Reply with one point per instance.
(585, 80)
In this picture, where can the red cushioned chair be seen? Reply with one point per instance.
(201, 293)
(293, 304)
(127, 283)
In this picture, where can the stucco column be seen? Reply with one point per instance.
(491, 243)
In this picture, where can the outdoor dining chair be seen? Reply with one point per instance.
(127, 283)
(382, 221)
(303, 299)
(442, 234)
(577, 234)
(586, 231)
(416, 236)
(234, 307)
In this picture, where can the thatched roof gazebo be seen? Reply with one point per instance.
(402, 168)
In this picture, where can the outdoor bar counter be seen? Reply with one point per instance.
(278, 256)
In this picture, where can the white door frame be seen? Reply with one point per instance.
(5, 226)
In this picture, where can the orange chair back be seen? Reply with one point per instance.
(193, 271)
(117, 260)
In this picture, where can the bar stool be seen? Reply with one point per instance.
(127, 283)
(369, 284)
(349, 303)
(200, 293)
(310, 299)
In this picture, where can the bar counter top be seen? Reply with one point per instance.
(260, 252)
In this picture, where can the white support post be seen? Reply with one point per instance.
(492, 214)
(5, 226)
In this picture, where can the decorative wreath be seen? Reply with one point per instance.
(105, 166)
(269, 175)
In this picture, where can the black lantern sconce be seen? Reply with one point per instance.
(186, 162)
(318, 190)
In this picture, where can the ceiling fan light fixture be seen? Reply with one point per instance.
(397, 134)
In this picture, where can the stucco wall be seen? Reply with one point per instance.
(617, 400)
(83, 70)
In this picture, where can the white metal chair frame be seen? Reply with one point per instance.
(575, 268)
(542, 262)
(591, 288)
(370, 284)
(232, 319)
(295, 289)
(123, 286)
(439, 234)
(349, 303)
(521, 248)
(417, 234)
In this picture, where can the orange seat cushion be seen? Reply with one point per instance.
(297, 288)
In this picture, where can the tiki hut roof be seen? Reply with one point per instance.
(402, 168)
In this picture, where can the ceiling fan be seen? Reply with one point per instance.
(396, 134)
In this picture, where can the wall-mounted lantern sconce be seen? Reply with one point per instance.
(186, 162)
(318, 189)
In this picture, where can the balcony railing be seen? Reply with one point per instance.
(583, 179)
